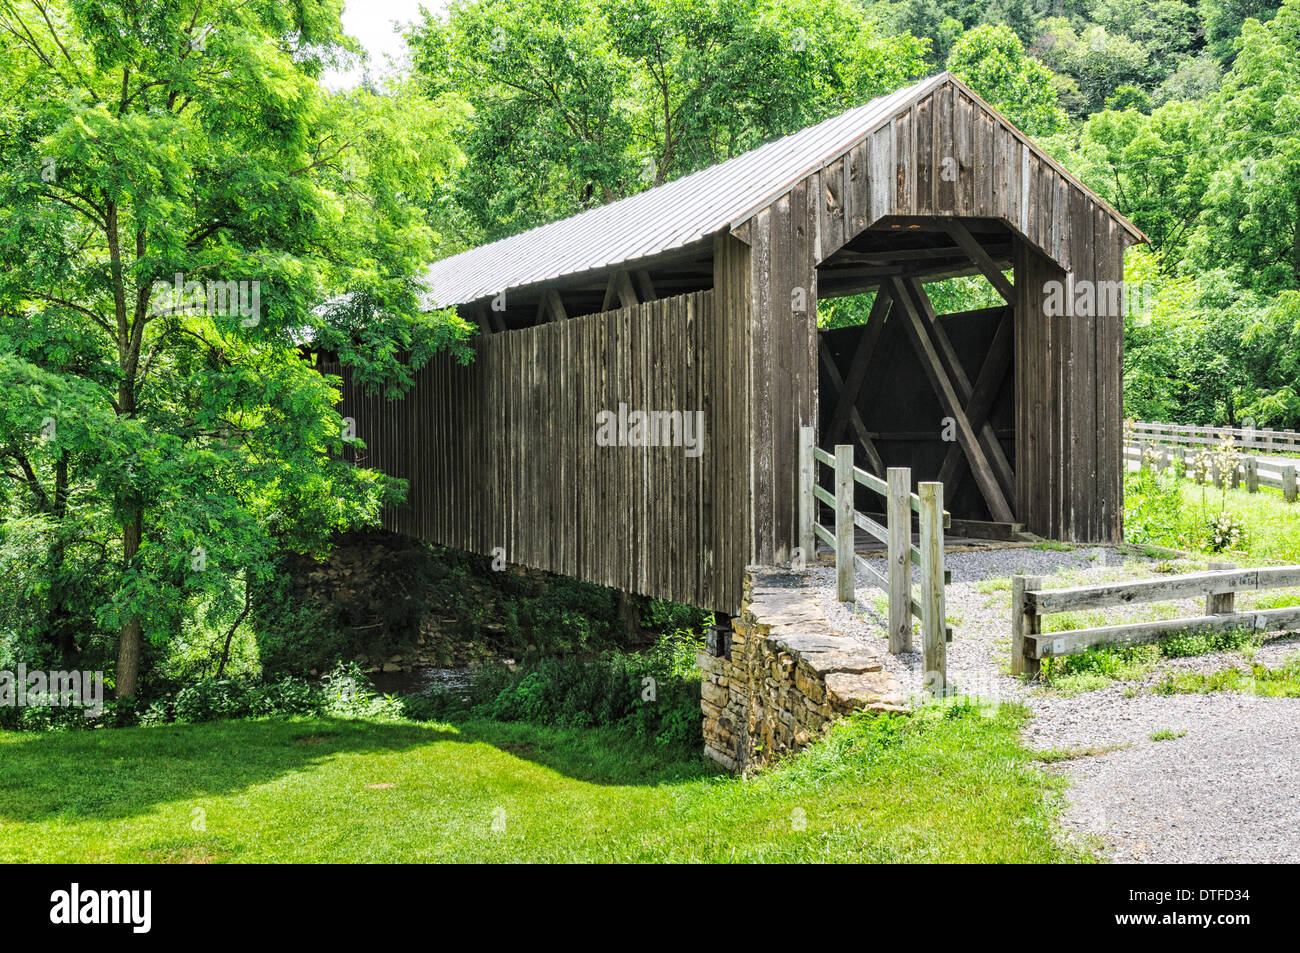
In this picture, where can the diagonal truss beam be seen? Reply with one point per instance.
(947, 384)
(988, 437)
(855, 418)
(852, 389)
(982, 259)
(987, 385)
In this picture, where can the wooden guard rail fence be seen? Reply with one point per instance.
(1030, 602)
(1254, 472)
(1264, 440)
(896, 534)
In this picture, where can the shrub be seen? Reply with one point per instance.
(655, 695)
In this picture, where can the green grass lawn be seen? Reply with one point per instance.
(1272, 525)
(929, 787)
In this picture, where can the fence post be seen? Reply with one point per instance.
(1023, 623)
(844, 521)
(1220, 603)
(934, 628)
(1251, 466)
(899, 523)
(807, 502)
(1289, 484)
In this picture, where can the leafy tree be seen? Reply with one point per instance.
(1199, 349)
(1251, 133)
(1149, 167)
(578, 104)
(992, 60)
(157, 447)
(1223, 21)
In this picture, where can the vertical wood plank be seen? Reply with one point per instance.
(899, 523)
(934, 640)
(844, 568)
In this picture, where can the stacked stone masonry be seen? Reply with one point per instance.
(785, 676)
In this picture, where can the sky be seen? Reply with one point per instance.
(371, 22)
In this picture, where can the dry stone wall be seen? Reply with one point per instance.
(782, 674)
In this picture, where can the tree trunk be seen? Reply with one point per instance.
(61, 633)
(129, 636)
(629, 615)
(248, 605)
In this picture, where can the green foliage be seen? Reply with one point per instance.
(653, 695)
(1100, 665)
(1175, 512)
(993, 62)
(156, 452)
(1167, 734)
(1280, 682)
(577, 104)
(1153, 504)
(1200, 350)
(344, 692)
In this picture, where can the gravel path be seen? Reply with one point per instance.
(1226, 788)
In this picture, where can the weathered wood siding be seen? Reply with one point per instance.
(501, 453)
(774, 290)
(948, 155)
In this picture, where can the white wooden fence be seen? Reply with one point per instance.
(895, 533)
(1253, 472)
(1263, 441)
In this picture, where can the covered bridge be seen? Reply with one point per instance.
(698, 298)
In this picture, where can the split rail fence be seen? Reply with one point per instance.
(896, 533)
(1030, 602)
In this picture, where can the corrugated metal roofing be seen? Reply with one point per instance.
(667, 217)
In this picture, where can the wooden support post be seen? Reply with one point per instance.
(991, 376)
(1220, 603)
(619, 292)
(899, 523)
(844, 569)
(807, 502)
(1235, 476)
(1289, 484)
(551, 307)
(934, 641)
(1251, 466)
(1024, 622)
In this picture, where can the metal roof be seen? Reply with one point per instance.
(669, 216)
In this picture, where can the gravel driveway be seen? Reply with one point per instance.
(1225, 787)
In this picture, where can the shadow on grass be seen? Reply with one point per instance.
(607, 756)
(126, 772)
